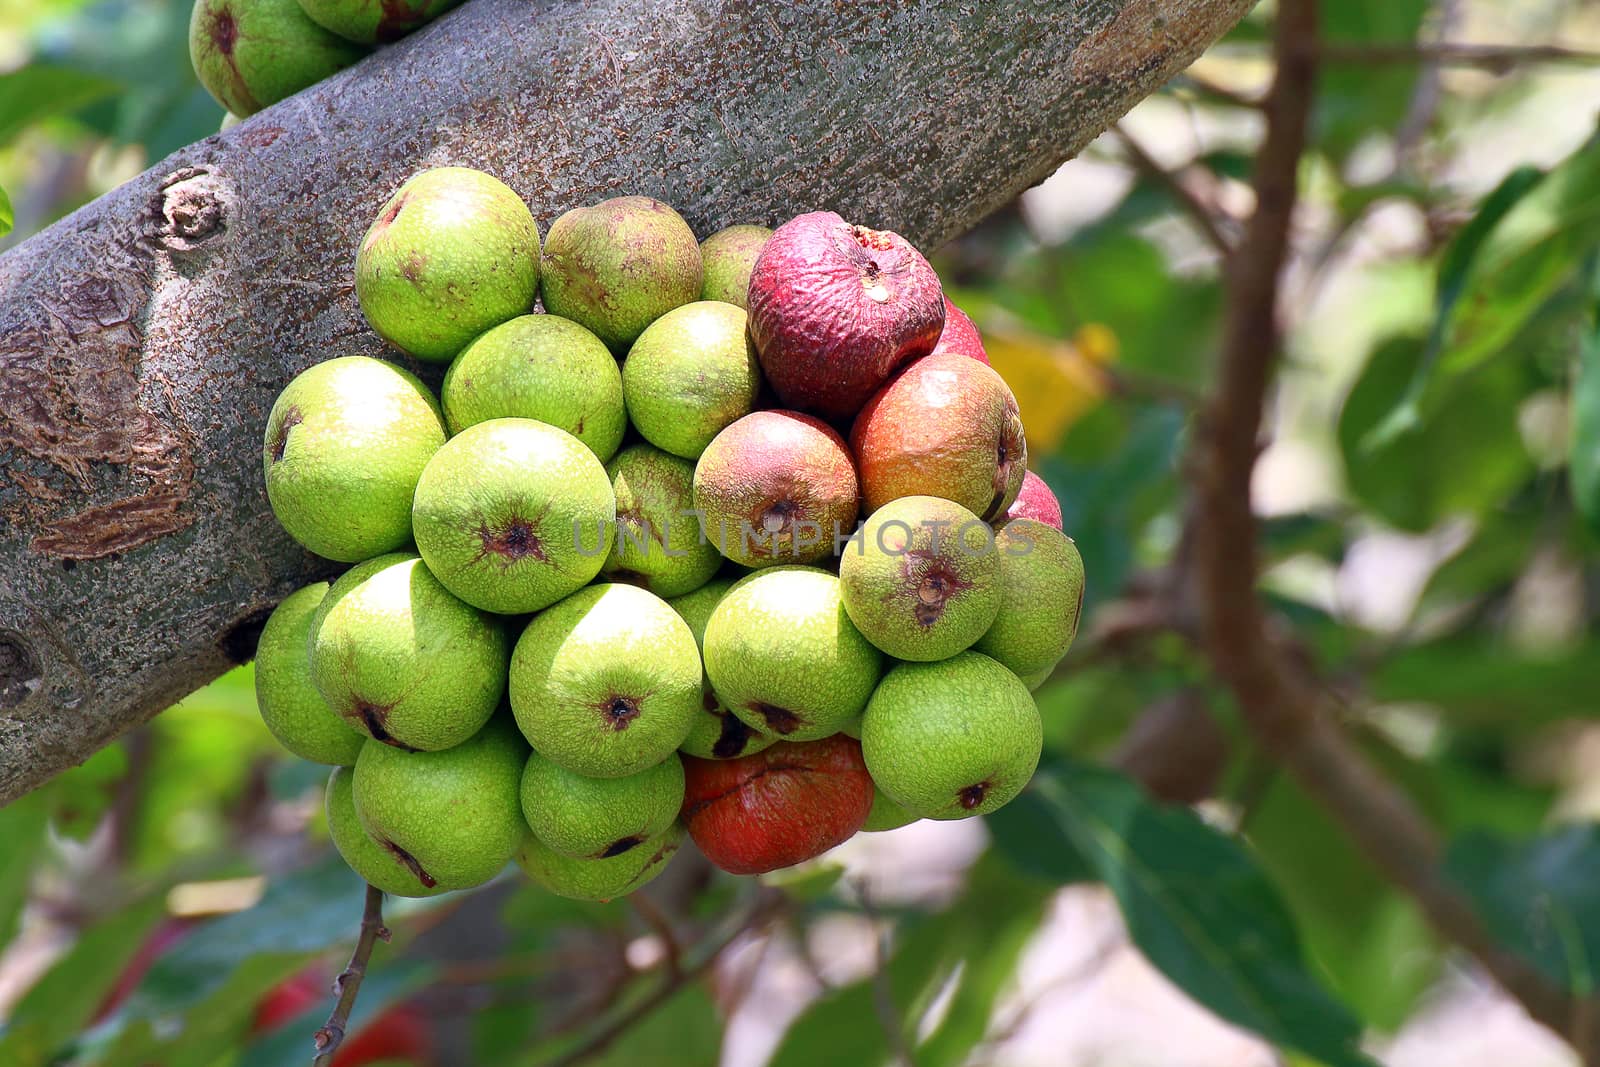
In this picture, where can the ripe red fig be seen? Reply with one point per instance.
(1035, 501)
(776, 487)
(778, 807)
(960, 335)
(835, 309)
(946, 426)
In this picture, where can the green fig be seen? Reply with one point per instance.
(922, 578)
(658, 542)
(374, 21)
(619, 265)
(717, 733)
(692, 372)
(885, 814)
(1041, 587)
(951, 739)
(452, 818)
(597, 818)
(599, 879)
(404, 661)
(381, 867)
(345, 444)
(512, 515)
(290, 705)
(607, 682)
(251, 53)
(784, 657)
(539, 367)
(453, 252)
(728, 257)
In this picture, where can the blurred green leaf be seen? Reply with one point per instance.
(1463, 460)
(7, 219)
(44, 90)
(684, 1032)
(84, 793)
(1478, 679)
(1027, 834)
(1353, 101)
(1539, 897)
(23, 826)
(1201, 910)
(1584, 452)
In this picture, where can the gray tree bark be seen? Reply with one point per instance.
(144, 338)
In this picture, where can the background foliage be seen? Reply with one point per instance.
(1430, 502)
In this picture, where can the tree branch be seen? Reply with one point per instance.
(1199, 212)
(1494, 57)
(144, 338)
(348, 984)
(1283, 707)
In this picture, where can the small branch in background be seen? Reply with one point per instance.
(882, 992)
(661, 926)
(348, 984)
(1203, 215)
(1495, 58)
(1222, 94)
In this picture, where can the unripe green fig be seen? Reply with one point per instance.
(251, 53)
(1041, 585)
(540, 367)
(886, 814)
(403, 660)
(658, 543)
(951, 739)
(690, 374)
(380, 866)
(607, 682)
(728, 257)
(597, 818)
(344, 446)
(599, 879)
(453, 252)
(717, 733)
(290, 705)
(452, 818)
(783, 655)
(619, 265)
(374, 21)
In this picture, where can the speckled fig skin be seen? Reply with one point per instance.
(718, 733)
(835, 309)
(729, 256)
(597, 818)
(778, 807)
(783, 655)
(599, 879)
(251, 53)
(453, 252)
(658, 544)
(1041, 583)
(290, 705)
(960, 335)
(691, 373)
(945, 426)
(1035, 501)
(513, 514)
(374, 21)
(380, 866)
(344, 446)
(886, 815)
(617, 266)
(922, 581)
(540, 367)
(774, 488)
(952, 739)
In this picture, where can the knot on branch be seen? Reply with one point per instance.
(191, 210)
(20, 673)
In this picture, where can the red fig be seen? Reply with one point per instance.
(960, 335)
(946, 426)
(778, 807)
(835, 309)
(1035, 501)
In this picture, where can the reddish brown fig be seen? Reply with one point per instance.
(1035, 501)
(778, 807)
(946, 426)
(776, 487)
(960, 335)
(835, 309)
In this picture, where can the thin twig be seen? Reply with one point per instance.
(1201, 213)
(1491, 56)
(348, 984)
(882, 992)
(1284, 708)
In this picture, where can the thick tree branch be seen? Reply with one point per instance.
(143, 338)
(348, 985)
(1283, 706)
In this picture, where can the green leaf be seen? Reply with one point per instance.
(42, 90)
(23, 825)
(1584, 453)
(7, 219)
(85, 792)
(1353, 100)
(1540, 897)
(684, 1032)
(1026, 833)
(1487, 682)
(1201, 910)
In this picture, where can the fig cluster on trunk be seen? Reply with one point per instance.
(730, 542)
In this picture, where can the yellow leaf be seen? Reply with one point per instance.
(1056, 382)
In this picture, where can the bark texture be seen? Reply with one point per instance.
(144, 338)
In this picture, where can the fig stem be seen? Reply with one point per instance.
(328, 1039)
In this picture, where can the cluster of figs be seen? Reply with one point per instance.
(730, 539)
